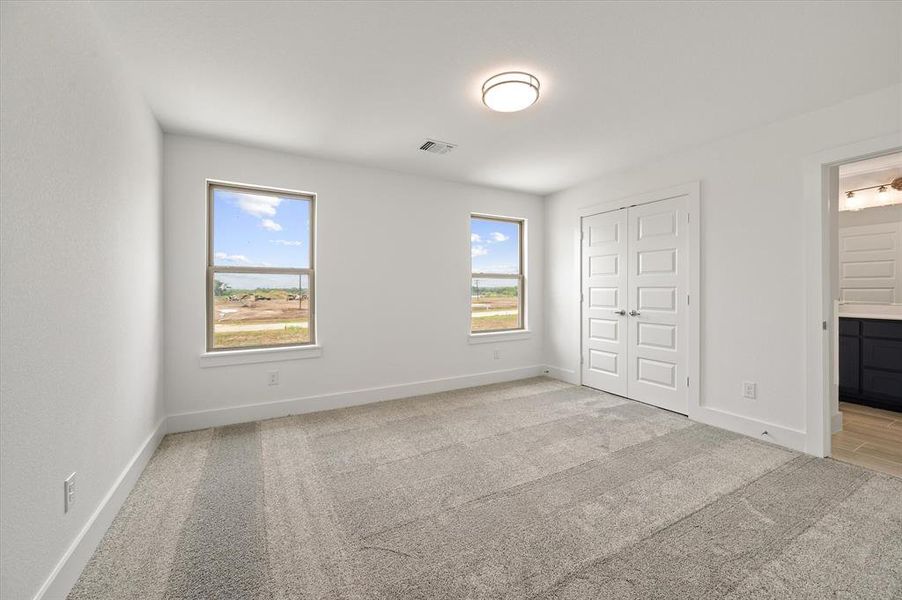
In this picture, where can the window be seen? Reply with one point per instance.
(497, 283)
(260, 280)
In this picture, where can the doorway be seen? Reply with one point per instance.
(867, 285)
(639, 298)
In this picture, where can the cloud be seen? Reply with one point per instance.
(474, 237)
(231, 257)
(288, 242)
(270, 224)
(258, 205)
(478, 251)
(497, 236)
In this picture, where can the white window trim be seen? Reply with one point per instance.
(224, 358)
(490, 337)
(309, 271)
(521, 278)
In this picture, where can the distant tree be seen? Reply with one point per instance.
(220, 288)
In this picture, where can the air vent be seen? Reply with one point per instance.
(437, 147)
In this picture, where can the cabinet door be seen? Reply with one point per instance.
(849, 357)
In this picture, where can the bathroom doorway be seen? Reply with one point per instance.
(867, 258)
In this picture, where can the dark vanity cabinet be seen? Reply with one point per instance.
(870, 362)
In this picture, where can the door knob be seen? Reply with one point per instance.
(634, 313)
(620, 312)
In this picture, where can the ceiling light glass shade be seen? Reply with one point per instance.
(510, 92)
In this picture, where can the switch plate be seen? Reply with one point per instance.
(749, 390)
(497, 354)
(273, 377)
(68, 492)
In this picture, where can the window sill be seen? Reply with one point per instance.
(499, 336)
(226, 358)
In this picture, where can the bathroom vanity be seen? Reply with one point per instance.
(870, 358)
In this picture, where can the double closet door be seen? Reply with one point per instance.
(635, 299)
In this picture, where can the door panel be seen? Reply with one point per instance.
(604, 343)
(658, 286)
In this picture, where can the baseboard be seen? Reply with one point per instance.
(836, 422)
(189, 421)
(70, 566)
(784, 436)
(568, 375)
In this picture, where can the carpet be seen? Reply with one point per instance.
(527, 489)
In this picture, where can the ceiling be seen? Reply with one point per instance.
(621, 82)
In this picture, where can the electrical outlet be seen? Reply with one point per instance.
(273, 377)
(497, 355)
(68, 492)
(749, 390)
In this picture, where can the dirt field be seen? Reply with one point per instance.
(485, 303)
(491, 313)
(257, 323)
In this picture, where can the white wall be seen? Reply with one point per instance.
(753, 252)
(379, 234)
(81, 303)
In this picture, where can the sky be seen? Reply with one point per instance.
(494, 246)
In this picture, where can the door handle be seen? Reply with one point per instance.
(634, 313)
(620, 312)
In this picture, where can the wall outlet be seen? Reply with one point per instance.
(749, 390)
(273, 377)
(496, 355)
(68, 492)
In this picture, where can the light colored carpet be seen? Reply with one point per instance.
(530, 489)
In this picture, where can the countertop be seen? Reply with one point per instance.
(871, 311)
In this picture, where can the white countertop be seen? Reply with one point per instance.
(871, 311)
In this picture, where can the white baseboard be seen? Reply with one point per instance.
(70, 566)
(218, 417)
(568, 375)
(784, 436)
(836, 422)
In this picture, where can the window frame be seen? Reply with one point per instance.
(212, 268)
(519, 277)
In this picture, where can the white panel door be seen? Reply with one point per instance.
(870, 263)
(658, 296)
(604, 297)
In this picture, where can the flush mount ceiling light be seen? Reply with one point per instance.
(510, 91)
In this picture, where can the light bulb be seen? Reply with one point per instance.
(852, 202)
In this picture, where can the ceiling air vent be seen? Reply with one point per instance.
(437, 147)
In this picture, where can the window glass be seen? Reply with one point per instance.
(252, 309)
(495, 246)
(260, 230)
(497, 281)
